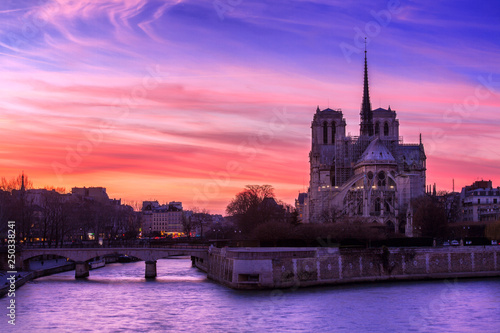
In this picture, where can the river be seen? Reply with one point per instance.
(117, 298)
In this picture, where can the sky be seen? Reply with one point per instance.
(192, 100)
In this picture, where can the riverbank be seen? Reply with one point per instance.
(182, 300)
(37, 269)
(269, 268)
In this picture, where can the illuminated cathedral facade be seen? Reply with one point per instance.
(372, 176)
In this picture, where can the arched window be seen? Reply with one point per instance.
(381, 178)
(377, 205)
(377, 128)
(386, 129)
(333, 132)
(325, 133)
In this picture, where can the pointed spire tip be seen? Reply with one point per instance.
(366, 125)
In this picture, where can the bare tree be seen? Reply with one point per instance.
(200, 219)
(60, 190)
(253, 206)
(331, 215)
(15, 183)
(187, 224)
(52, 217)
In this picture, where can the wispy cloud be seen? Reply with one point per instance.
(70, 66)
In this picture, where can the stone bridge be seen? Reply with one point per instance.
(81, 256)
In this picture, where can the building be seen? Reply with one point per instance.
(94, 193)
(162, 219)
(480, 202)
(85, 214)
(372, 176)
(301, 206)
(203, 222)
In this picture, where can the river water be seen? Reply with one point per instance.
(117, 298)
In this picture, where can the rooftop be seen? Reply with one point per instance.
(377, 153)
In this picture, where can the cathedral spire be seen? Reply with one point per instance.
(22, 183)
(366, 125)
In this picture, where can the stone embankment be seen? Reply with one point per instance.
(263, 268)
(37, 269)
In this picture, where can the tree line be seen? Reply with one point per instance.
(260, 216)
(54, 219)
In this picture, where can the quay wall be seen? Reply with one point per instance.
(21, 280)
(36, 274)
(264, 268)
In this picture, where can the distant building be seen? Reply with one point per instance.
(204, 222)
(480, 202)
(301, 205)
(149, 205)
(84, 214)
(164, 219)
(176, 204)
(217, 219)
(95, 193)
(38, 196)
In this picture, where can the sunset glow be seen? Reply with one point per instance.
(192, 100)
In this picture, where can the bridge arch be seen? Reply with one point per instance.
(82, 256)
(26, 260)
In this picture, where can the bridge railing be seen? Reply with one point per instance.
(115, 245)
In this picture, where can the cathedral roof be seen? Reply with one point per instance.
(376, 153)
(328, 110)
(382, 111)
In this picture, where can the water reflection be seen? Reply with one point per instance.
(117, 298)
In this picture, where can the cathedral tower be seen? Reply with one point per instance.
(371, 177)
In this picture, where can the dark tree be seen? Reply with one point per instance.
(331, 215)
(200, 220)
(254, 206)
(188, 224)
(6, 212)
(429, 216)
(492, 231)
(294, 218)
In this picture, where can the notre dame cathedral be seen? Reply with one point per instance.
(372, 176)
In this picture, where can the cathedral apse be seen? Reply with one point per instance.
(372, 176)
